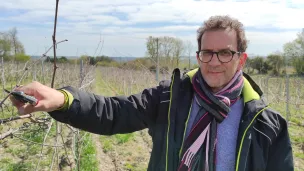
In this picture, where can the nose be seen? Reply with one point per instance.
(214, 60)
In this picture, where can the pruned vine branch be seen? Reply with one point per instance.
(3, 121)
(44, 55)
(54, 43)
(53, 80)
(8, 133)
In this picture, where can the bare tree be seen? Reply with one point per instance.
(16, 45)
(169, 49)
(178, 49)
(166, 48)
(151, 47)
(13, 34)
(188, 51)
(5, 46)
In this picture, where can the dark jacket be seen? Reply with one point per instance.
(263, 142)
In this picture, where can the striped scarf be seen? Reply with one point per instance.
(198, 152)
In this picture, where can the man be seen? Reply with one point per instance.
(211, 118)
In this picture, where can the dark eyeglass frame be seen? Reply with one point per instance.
(217, 54)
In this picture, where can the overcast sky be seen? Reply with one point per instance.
(124, 25)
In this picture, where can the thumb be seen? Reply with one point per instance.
(28, 89)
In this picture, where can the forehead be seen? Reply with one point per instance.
(219, 39)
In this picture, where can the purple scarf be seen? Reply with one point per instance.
(198, 152)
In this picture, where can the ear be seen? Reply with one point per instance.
(197, 58)
(243, 59)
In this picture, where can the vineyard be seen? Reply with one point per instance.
(37, 142)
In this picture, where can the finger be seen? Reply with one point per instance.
(17, 87)
(28, 89)
(29, 108)
(39, 106)
(16, 102)
(26, 109)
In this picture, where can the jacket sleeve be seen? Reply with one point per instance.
(280, 157)
(110, 115)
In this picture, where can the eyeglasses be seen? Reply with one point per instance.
(223, 56)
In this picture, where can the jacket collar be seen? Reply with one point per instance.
(251, 91)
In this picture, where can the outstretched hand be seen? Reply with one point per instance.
(48, 98)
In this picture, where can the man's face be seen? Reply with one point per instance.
(215, 73)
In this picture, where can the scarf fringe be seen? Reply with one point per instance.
(193, 149)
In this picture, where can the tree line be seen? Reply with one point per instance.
(10, 46)
(170, 52)
(279, 62)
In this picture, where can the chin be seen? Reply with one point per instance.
(214, 80)
(214, 84)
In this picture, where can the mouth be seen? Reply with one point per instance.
(215, 72)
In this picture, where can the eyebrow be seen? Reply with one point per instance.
(218, 50)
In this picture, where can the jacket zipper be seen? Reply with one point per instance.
(168, 130)
(243, 137)
(180, 151)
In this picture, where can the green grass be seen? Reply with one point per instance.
(299, 140)
(123, 138)
(296, 121)
(36, 136)
(18, 152)
(129, 166)
(20, 166)
(107, 144)
(8, 111)
(28, 152)
(9, 164)
(299, 155)
(88, 159)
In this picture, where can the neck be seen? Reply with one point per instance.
(216, 89)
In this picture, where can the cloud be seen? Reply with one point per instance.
(258, 13)
(126, 23)
(263, 43)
